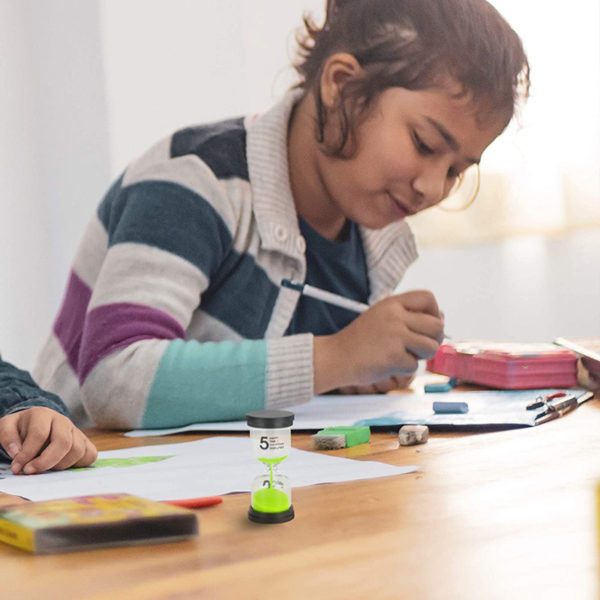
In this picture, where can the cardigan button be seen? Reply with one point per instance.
(300, 244)
(281, 234)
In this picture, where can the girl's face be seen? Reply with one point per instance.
(410, 150)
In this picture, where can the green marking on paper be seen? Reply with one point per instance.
(132, 461)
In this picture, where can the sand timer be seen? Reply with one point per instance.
(270, 435)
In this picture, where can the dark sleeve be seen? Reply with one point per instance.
(18, 392)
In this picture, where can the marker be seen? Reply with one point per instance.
(325, 296)
(195, 502)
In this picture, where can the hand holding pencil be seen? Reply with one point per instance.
(383, 342)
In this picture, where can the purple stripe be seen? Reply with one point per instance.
(68, 326)
(113, 326)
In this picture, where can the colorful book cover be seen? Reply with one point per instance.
(88, 522)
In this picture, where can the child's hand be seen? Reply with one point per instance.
(39, 438)
(385, 341)
(397, 382)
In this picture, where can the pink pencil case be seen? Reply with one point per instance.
(508, 366)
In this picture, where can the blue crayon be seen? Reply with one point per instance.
(433, 388)
(450, 407)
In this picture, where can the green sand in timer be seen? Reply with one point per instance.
(270, 435)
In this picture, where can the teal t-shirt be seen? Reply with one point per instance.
(339, 267)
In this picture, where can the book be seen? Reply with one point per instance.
(506, 365)
(98, 521)
(588, 347)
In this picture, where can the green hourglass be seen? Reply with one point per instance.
(270, 435)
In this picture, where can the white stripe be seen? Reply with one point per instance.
(205, 328)
(158, 153)
(92, 248)
(116, 390)
(152, 277)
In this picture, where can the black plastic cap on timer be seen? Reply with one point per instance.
(270, 419)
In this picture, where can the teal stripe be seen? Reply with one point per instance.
(212, 381)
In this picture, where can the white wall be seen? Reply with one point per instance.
(54, 157)
(529, 288)
(174, 63)
(86, 86)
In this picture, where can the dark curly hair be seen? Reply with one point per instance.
(413, 44)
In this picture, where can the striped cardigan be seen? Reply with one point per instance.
(173, 313)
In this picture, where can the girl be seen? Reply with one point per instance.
(174, 312)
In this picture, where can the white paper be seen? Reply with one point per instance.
(320, 412)
(208, 467)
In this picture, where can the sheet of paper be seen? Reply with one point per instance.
(488, 407)
(208, 467)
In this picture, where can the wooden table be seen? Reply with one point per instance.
(489, 516)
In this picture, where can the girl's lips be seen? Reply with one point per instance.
(399, 206)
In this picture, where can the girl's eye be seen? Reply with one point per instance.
(452, 173)
(421, 146)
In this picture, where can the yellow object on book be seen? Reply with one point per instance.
(90, 522)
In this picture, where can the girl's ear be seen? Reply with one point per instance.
(337, 70)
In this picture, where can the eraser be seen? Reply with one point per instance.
(434, 388)
(410, 435)
(450, 407)
(333, 438)
(322, 441)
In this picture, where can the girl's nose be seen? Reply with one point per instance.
(431, 186)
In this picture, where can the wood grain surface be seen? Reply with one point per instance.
(500, 515)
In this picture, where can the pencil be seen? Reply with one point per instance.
(325, 296)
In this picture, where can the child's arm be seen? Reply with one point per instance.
(385, 341)
(35, 431)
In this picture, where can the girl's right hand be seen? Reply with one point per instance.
(385, 341)
(397, 382)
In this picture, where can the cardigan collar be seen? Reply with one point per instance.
(389, 251)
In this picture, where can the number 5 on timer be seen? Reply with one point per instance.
(270, 435)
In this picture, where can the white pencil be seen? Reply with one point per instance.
(325, 296)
